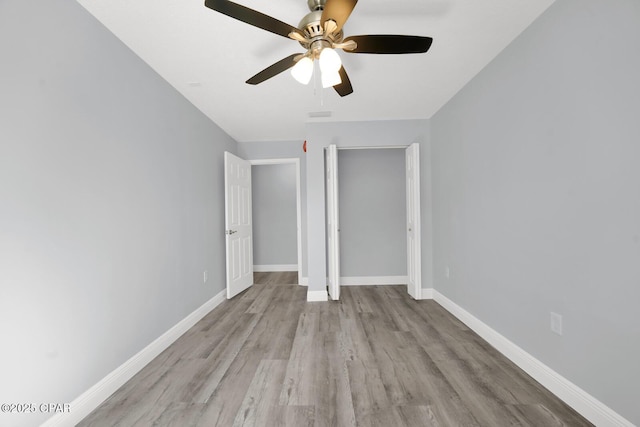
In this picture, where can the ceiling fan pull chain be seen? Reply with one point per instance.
(321, 95)
(315, 78)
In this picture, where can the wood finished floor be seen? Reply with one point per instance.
(376, 358)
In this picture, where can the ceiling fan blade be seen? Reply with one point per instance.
(338, 11)
(274, 70)
(252, 17)
(389, 44)
(343, 88)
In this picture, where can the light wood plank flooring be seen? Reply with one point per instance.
(376, 358)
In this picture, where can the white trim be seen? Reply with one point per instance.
(299, 218)
(275, 267)
(317, 296)
(414, 216)
(295, 161)
(304, 281)
(585, 404)
(427, 293)
(372, 147)
(373, 280)
(82, 405)
(332, 222)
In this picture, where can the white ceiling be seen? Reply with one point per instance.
(208, 57)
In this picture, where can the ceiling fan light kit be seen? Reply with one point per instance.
(320, 33)
(329, 60)
(303, 70)
(330, 79)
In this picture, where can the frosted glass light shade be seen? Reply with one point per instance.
(329, 60)
(330, 78)
(303, 70)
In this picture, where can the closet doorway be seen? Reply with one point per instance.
(373, 217)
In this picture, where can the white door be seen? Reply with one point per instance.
(238, 225)
(414, 270)
(333, 225)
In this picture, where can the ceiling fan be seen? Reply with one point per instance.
(320, 32)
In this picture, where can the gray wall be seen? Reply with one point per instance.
(536, 195)
(110, 204)
(283, 150)
(372, 200)
(275, 231)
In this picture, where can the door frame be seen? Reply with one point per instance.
(414, 228)
(332, 222)
(296, 162)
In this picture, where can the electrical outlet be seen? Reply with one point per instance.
(556, 323)
(205, 276)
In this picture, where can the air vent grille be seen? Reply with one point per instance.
(316, 114)
(313, 30)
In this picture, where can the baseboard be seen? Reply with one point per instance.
(585, 404)
(275, 267)
(427, 293)
(373, 280)
(92, 398)
(316, 296)
(304, 281)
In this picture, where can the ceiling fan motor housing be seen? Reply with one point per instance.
(313, 30)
